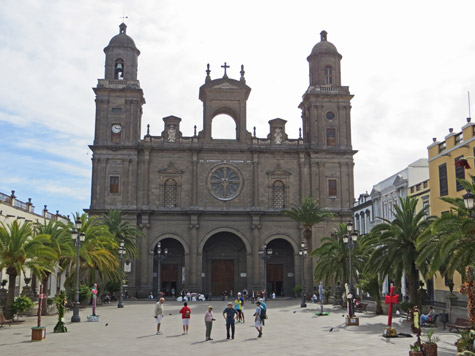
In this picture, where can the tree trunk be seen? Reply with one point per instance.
(44, 281)
(12, 274)
(413, 285)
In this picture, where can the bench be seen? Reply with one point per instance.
(460, 324)
(3, 320)
(431, 322)
(361, 308)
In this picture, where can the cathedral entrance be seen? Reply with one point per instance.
(167, 267)
(222, 276)
(224, 264)
(280, 268)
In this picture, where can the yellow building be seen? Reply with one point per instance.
(443, 178)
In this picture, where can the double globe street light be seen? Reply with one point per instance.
(303, 253)
(350, 240)
(121, 275)
(265, 253)
(78, 238)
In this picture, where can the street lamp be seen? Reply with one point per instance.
(265, 253)
(78, 237)
(468, 200)
(350, 240)
(159, 255)
(303, 254)
(121, 275)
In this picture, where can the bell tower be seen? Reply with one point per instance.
(225, 96)
(119, 98)
(326, 103)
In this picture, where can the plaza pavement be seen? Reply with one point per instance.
(290, 330)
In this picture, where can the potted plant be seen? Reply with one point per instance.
(60, 301)
(429, 346)
(21, 305)
(415, 350)
(297, 289)
(466, 342)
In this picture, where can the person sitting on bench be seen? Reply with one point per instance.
(427, 318)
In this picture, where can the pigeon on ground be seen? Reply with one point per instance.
(331, 329)
(107, 324)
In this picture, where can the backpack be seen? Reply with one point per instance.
(263, 313)
(187, 313)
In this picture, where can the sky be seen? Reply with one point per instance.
(410, 65)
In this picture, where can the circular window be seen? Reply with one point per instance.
(224, 182)
(330, 115)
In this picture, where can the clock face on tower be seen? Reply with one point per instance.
(225, 182)
(116, 128)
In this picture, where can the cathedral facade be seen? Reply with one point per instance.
(210, 208)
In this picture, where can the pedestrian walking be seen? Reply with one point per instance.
(159, 314)
(243, 320)
(237, 306)
(257, 318)
(229, 314)
(263, 306)
(185, 317)
(209, 318)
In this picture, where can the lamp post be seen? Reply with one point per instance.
(303, 253)
(159, 255)
(469, 201)
(121, 275)
(78, 237)
(350, 240)
(265, 253)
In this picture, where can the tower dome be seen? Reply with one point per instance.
(122, 40)
(121, 56)
(324, 47)
(324, 61)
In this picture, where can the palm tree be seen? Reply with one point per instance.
(123, 231)
(393, 244)
(308, 213)
(60, 242)
(97, 254)
(450, 244)
(332, 257)
(20, 248)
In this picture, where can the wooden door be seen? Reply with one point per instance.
(275, 278)
(222, 276)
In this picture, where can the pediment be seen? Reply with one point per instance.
(279, 171)
(400, 180)
(225, 85)
(170, 169)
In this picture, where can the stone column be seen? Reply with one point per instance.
(145, 263)
(194, 179)
(192, 269)
(255, 179)
(256, 228)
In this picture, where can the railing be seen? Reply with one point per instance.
(5, 198)
(21, 205)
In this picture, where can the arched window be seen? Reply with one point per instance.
(119, 69)
(328, 75)
(278, 195)
(170, 193)
(331, 136)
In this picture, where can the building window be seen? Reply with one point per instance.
(328, 75)
(444, 188)
(331, 137)
(426, 184)
(332, 191)
(170, 193)
(458, 138)
(459, 173)
(412, 189)
(278, 195)
(114, 185)
(442, 146)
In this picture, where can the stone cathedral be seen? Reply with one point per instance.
(207, 206)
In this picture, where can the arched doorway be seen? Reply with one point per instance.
(224, 264)
(168, 267)
(280, 276)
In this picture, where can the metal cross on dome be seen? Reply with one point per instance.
(225, 67)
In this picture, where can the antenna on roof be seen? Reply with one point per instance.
(469, 115)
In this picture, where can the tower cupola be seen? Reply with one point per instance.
(324, 61)
(121, 56)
